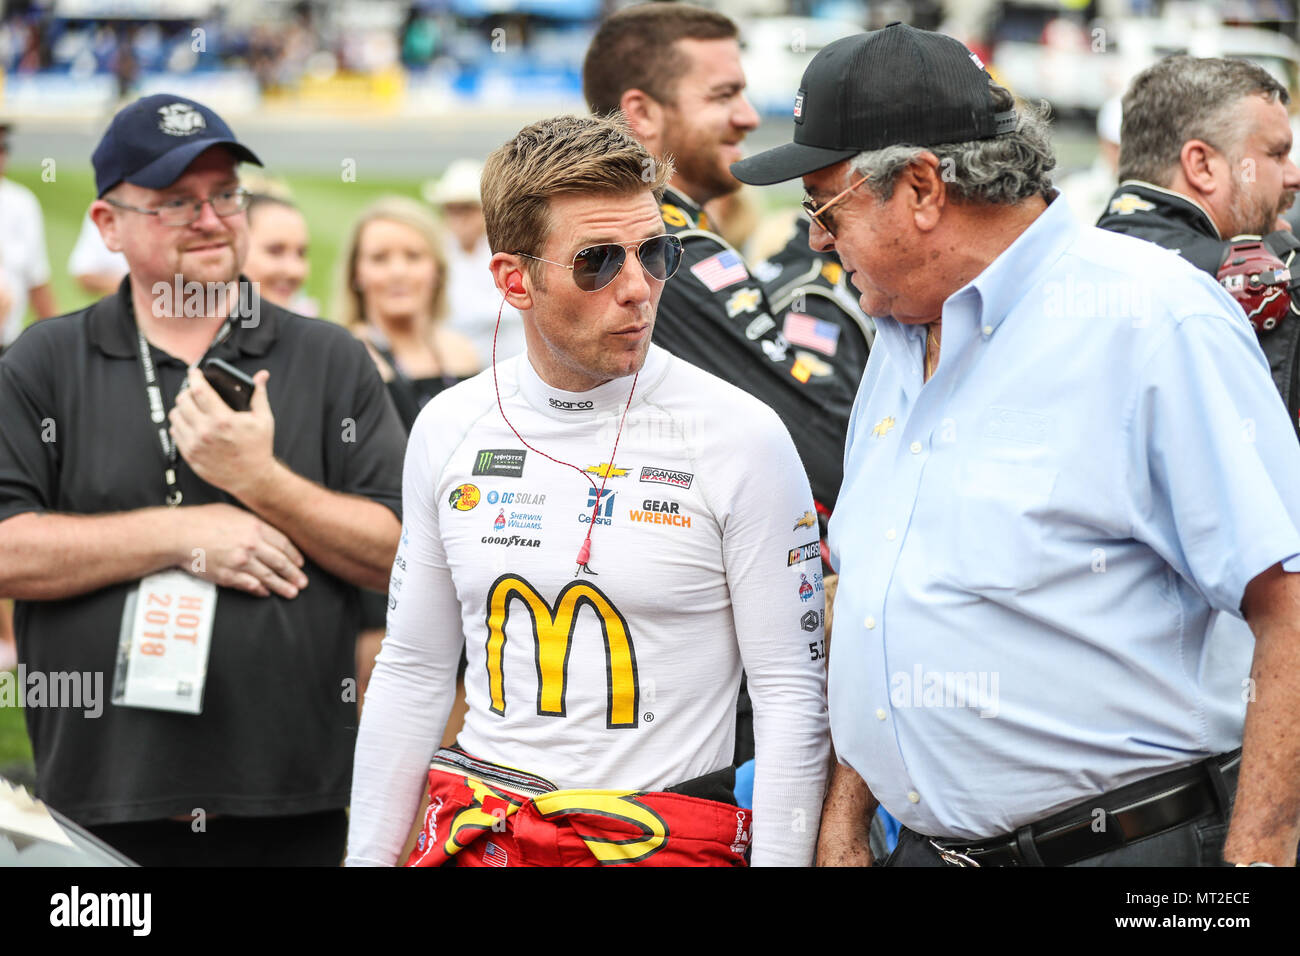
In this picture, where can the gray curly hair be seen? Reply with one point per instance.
(1005, 169)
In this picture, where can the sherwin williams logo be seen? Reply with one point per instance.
(464, 497)
(502, 462)
(805, 589)
(666, 476)
(500, 523)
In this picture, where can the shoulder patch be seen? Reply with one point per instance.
(673, 216)
(1125, 204)
(721, 270)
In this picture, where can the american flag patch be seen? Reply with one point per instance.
(721, 270)
(812, 333)
(493, 855)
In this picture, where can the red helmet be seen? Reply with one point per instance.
(1258, 280)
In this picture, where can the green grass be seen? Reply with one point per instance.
(14, 746)
(328, 204)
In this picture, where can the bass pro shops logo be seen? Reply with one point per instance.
(180, 119)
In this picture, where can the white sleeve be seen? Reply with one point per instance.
(411, 690)
(38, 260)
(90, 256)
(784, 662)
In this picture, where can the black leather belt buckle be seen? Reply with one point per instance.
(1131, 813)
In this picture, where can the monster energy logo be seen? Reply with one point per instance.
(505, 462)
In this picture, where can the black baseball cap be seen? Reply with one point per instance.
(891, 87)
(151, 142)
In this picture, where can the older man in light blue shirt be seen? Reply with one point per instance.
(1065, 457)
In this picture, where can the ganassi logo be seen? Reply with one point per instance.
(180, 119)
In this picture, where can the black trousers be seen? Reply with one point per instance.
(312, 839)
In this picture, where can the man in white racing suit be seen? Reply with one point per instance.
(611, 534)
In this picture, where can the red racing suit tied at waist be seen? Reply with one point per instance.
(483, 814)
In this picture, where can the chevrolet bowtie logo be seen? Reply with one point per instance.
(604, 470)
(1127, 203)
(883, 426)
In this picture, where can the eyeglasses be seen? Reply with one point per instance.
(815, 214)
(182, 212)
(597, 266)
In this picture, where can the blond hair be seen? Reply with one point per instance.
(565, 155)
(349, 308)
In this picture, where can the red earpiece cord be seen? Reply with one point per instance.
(584, 553)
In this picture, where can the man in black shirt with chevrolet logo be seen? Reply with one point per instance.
(1205, 171)
(674, 72)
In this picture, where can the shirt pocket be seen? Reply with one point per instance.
(998, 525)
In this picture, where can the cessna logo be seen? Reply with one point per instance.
(571, 406)
(180, 119)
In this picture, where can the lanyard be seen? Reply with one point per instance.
(159, 416)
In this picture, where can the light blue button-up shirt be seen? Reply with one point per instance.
(1032, 545)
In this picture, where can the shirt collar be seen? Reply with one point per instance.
(598, 402)
(1170, 204)
(111, 323)
(1016, 270)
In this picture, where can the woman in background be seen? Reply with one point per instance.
(277, 251)
(391, 291)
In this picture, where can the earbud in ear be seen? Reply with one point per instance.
(515, 284)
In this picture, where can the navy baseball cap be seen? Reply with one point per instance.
(151, 142)
(891, 87)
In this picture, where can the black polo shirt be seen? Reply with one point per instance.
(277, 730)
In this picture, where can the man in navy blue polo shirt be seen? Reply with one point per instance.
(200, 563)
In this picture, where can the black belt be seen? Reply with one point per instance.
(1131, 813)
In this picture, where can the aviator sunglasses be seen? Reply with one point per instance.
(597, 266)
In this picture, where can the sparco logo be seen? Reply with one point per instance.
(571, 406)
(514, 541)
(666, 476)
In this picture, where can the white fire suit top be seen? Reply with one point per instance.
(622, 674)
